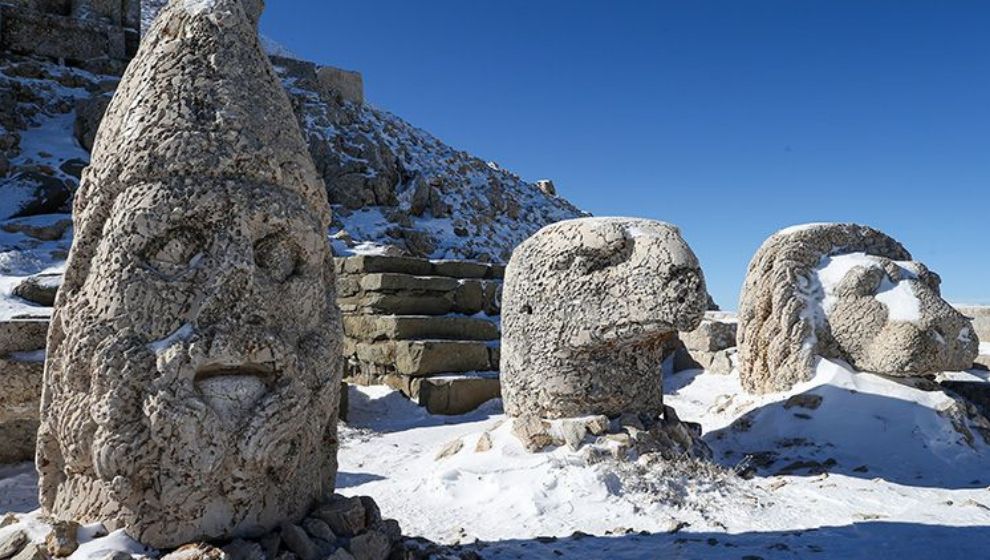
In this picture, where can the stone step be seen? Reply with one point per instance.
(23, 335)
(393, 282)
(419, 267)
(395, 304)
(425, 357)
(20, 397)
(413, 327)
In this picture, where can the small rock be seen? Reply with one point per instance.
(241, 549)
(371, 546)
(40, 289)
(298, 541)
(573, 431)
(390, 528)
(318, 529)
(532, 431)
(32, 552)
(196, 551)
(63, 539)
(372, 514)
(8, 519)
(598, 425)
(484, 443)
(341, 554)
(804, 400)
(345, 516)
(450, 449)
(632, 421)
(117, 555)
(547, 187)
(270, 544)
(12, 544)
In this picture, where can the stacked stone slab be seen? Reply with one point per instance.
(426, 328)
(711, 346)
(22, 353)
(99, 35)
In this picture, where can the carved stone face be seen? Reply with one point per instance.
(201, 358)
(888, 316)
(587, 307)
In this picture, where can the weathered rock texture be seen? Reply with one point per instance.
(784, 323)
(590, 308)
(193, 371)
(22, 350)
(424, 328)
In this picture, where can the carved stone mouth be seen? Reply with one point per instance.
(231, 391)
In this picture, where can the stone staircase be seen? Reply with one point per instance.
(22, 362)
(426, 328)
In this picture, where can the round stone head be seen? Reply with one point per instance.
(589, 307)
(848, 292)
(192, 384)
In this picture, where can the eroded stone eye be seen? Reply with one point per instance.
(277, 255)
(175, 252)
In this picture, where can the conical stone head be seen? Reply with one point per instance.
(192, 383)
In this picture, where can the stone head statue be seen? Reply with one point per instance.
(588, 308)
(193, 375)
(846, 292)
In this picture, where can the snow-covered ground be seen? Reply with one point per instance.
(844, 466)
(877, 470)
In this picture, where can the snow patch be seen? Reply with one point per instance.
(182, 334)
(898, 296)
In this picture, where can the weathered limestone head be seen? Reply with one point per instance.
(848, 292)
(588, 308)
(192, 383)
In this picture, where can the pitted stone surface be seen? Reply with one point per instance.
(193, 378)
(589, 308)
(782, 327)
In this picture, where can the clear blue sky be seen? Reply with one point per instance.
(729, 118)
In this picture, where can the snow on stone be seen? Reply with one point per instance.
(180, 335)
(899, 298)
(801, 227)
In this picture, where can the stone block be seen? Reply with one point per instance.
(461, 269)
(457, 394)
(349, 85)
(710, 336)
(392, 282)
(20, 396)
(377, 263)
(34, 32)
(470, 297)
(410, 327)
(22, 336)
(424, 357)
(397, 304)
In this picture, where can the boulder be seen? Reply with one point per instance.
(848, 292)
(200, 283)
(32, 193)
(39, 289)
(590, 308)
